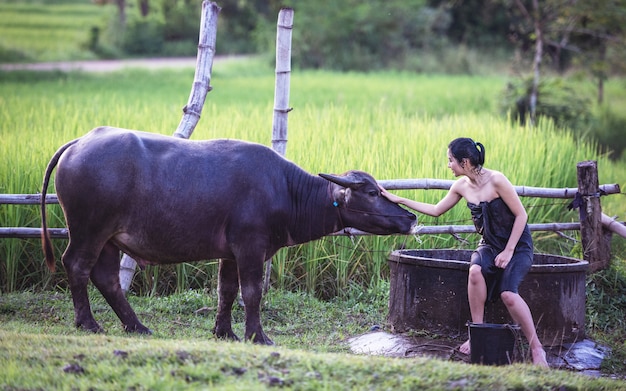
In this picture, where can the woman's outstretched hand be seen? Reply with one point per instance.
(391, 197)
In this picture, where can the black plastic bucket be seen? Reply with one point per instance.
(492, 344)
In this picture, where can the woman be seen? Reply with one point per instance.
(505, 253)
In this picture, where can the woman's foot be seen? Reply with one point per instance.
(539, 357)
(465, 348)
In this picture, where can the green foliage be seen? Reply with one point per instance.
(606, 312)
(606, 301)
(240, 23)
(480, 23)
(600, 41)
(567, 103)
(416, 35)
(144, 35)
(181, 20)
(556, 100)
(10, 55)
(357, 35)
(608, 128)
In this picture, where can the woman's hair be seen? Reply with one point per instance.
(464, 147)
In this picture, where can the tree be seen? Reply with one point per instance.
(121, 8)
(598, 36)
(535, 19)
(591, 33)
(144, 7)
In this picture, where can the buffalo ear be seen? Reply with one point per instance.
(344, 180)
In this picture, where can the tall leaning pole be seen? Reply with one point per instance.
(284, 27)
(193, 109)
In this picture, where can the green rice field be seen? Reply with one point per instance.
(393, 125)
(44, 30)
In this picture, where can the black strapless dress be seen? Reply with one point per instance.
(494, 221)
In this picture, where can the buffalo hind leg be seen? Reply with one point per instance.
(105, 276)
(251, 280)
(227, 288)
(77, 267)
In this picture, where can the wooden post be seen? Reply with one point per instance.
(283, 75)
(204, 65)
(193, 109)
(595, 246)
(284, 27)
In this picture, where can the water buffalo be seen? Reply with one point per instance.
(162, 200)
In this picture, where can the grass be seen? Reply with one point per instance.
(606, 311)
(40, 349)
(291, 319)
(39, 30)
(113, 363)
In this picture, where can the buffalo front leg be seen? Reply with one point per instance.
(105, 276)
(251, 280)
(77, 266)
(227, 288)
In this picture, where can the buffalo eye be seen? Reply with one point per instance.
(373, 193)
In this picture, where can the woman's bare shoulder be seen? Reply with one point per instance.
(498, 178)
(460, 186)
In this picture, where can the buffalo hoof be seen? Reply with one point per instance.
(93, 327)
(138, 328)
(225, 335)
(261, 339)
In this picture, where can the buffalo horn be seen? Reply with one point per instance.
(345, 181)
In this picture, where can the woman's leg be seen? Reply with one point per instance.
(477, 295)
(521, 315)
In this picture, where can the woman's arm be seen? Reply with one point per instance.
(451, 199)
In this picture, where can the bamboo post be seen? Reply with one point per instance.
(595, 246)
(283, 74)
(284, 27)
(193, 109)
(204, 65)
(612, 225)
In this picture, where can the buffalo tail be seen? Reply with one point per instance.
(46, 244)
